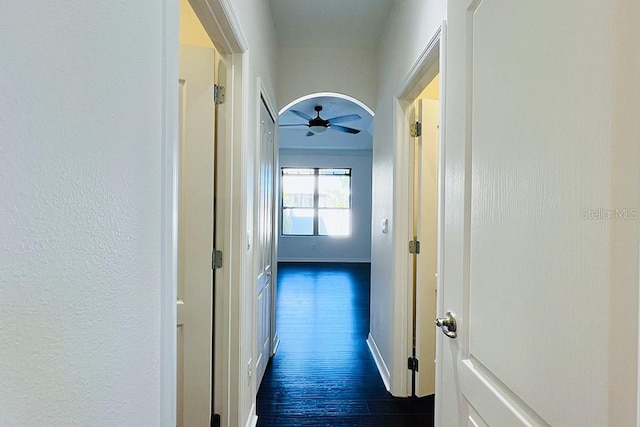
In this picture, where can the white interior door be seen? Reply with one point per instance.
(427, 232)
(531, 267)
(195, 235)
(265, 240)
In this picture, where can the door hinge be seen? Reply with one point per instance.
(416, 129)
(215, 420)
(218, 94)
(216, 259)
(414, 247)
(412, 364)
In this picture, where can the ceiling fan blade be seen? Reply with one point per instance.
(342, 119)
(310, 133)
(301, 114)
(344, 129)
(298, 124)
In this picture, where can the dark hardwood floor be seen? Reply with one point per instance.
(323, 373)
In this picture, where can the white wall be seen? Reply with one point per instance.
(411, 26)
(355, 248)
(303, 71)
(624, 397)
(81, 124)
(259, 63)
(81, 137)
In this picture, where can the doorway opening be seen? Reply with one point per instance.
(324, 181)
(196, 220)
(420, 151)
(424, 212)
(229, 172)
(324, 251)
(324, 196)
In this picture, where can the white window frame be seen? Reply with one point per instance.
(316, 208)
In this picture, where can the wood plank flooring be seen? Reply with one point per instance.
(323, 373)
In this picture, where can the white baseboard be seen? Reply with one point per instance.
(323, 260)
(382, 367)
(275, 344)
(253, 418)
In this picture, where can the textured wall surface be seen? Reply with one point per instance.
(411, 26)
(80, 143)
(304, 71)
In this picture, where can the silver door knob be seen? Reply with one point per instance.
(447, 324)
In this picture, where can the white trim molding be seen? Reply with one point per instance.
(252, 421)
(382, 367)
(221, 24)
(334, 94)
(169, 215)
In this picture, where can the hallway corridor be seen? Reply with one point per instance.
(323, 373)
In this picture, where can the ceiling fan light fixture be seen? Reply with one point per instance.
(318, 125)
(318, 129)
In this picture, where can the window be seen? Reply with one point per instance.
(316, 202)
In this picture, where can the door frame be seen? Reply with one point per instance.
(222, 26)
(430, 62)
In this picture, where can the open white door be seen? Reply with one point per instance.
(534, 232)
(427, 232)
(195, 235)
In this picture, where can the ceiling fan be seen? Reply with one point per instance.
(318, 125)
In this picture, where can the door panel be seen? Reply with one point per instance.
(265, 240)
(528, 151)
(427, 231)
(195, 235)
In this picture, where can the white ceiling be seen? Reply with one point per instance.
(330, 23)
